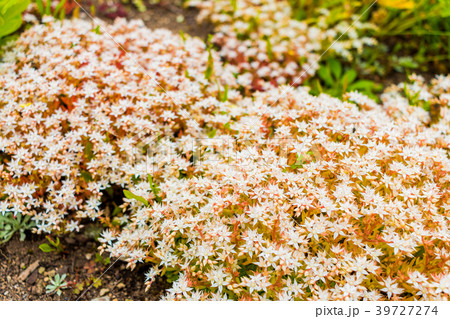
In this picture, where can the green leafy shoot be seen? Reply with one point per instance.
(130, 195)
(155, 189)
(97, 30)
(210, 64)
(10, 224)
(223, 95)
(212, 133)
(56, 284)
(56, 246)
(269, 48)
(334, 80)
(45, 8)
(183, 36)
(101, 260)
(299, 162)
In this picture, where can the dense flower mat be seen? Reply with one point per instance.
(267, 47)
(74, 107)
(269, 195)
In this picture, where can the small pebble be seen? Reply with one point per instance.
(104, 291)
(41, 270)
(106, 298)
(180, 18)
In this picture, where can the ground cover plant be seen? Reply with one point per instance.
(374, 39)
(246, 166)
(59, 152)
(319, 200)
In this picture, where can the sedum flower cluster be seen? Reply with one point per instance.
(298, 197)
(267, 47)
(74, 107)
(275, 195)
(430, 102)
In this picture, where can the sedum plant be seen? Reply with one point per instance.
(312, 199)
(71, 122)
(270, 43)
(10, 224)
(57, 284)
(432, 97)
(265, 47)
(276, 195)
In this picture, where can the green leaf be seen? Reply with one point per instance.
(183, 36)
(212, 133)
(40, 6)
(117, 210)
(46, 248)
(97, 283)
(11, 25)
(210, 66)
(362, 85)
(210, 63)
(234, 5)
(59, 7)
(18, 7)
(62, 14)
(154, 188)
(269, 48)
(223, 96)
(325, 75)
(87, 176)
(97, 30)
(48, 7)
(130, 195)
(336, 68)
(350, 76)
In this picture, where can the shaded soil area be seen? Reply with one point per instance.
(80, 262)
(167, 14)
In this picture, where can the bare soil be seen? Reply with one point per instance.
(81, 265)
(167, 14)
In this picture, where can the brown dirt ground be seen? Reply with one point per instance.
(118, 283)
(80, 265)
(161, 15)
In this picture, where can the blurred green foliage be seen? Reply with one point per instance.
(412, 36)
(139, 4)
(335, 79)
(45, 8)
(11, 15)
